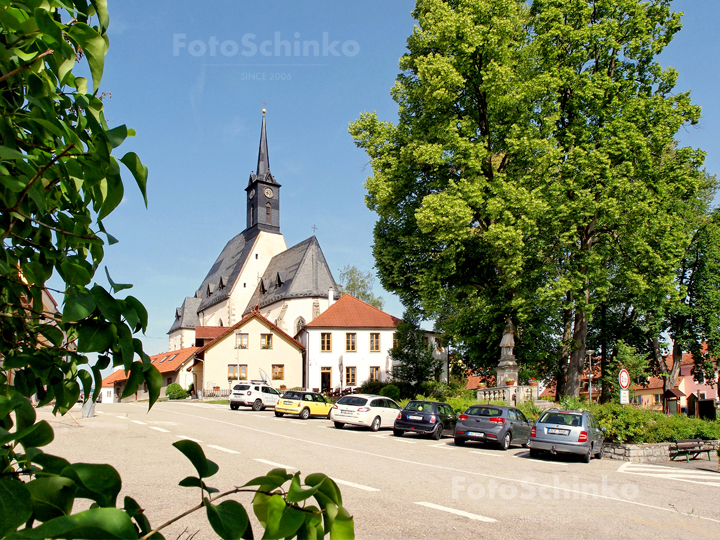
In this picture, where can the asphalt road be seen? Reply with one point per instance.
(396, 488)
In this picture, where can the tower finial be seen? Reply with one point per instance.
(263, 165)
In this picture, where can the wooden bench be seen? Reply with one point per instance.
(689, 446)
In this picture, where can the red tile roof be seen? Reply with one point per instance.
(165, 363)
(231, 329)
(208, 332)
(349, 312)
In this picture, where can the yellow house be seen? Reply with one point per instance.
(251, 349)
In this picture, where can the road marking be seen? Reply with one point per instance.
(441, 467)
(188, 438)
(398, 439)
(99, 412)
(139, 422)
(382, 436)
(353, 484)
(160, 429)
(298, 422)
(273, 464)
(468, 515)
(441, 445)
(222, 449)
(691, 476)
(123, 417)
(485, 453)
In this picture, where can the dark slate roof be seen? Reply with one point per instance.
(226, 269)
(186, 315)
(298, 272)
(262, 173)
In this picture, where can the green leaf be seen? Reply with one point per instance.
(48, 26)
(272, 480)
(296, 493)
(87, 381)
(53, 333)
(153, 378)
(79, 304)
(15, 504)
(9, 153)
(94, 523)
(117, 135)
(74, 274)
(51, 464)
(95, 337)
(138, 170)
(94, 47)
(98, 482)
(40, 434)
(343, 527)
(140, 312)
(283, 521)
(52, 496)
(191, 481)
(194, 452)
(110, 308)
(326, 486)
(116, 287)
(134, 379)
(229, 520)
(114, 195)
(102, 13)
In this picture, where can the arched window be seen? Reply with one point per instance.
(252, 215)
(268, 214)
(299, 324)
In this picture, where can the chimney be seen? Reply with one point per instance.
(331, 296)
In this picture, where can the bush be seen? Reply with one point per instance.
(372, 387)
(191, 388)
(391, 391)
(175, 391)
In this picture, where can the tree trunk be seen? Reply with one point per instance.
(606, 393)
(577, 356)
(672, 376)
(560, 380)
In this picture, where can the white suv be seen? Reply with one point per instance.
(255, 394)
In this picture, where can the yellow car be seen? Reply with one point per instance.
(304, 404)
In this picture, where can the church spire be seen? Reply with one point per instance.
(263, 164)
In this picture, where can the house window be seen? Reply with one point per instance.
(326, 342)
(658, 398)
(241, 341)
(266, 341)
(349, 376)
(232, 371)
(268, 214)
(243, 372)
(426, 342)
(437, 344)
(374, 342)
(395, 340)
(169, 381)
(278, 372)
(375, 373)
(350, 342)
(701, 395)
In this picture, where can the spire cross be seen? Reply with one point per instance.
(314, 228)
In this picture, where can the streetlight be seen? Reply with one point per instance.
(590, 353)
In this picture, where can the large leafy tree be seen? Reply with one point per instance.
(59, 181)
(533, 161)
(359, 284)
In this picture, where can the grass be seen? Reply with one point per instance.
(217, 401)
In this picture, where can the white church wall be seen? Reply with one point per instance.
(296, 308)
(181, 339)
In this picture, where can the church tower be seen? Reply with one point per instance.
(263, 192)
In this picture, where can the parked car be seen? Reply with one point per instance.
(570, 432)
(255, 394)
(428, 417)
(367, 410)
(304, 404)
(493, 423)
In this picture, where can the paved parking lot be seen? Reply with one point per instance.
(396, 488)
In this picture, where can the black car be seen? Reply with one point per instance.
(493, 423)
(428, 417)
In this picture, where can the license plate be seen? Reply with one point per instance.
(473, 434)
(346, 411)
(287, 402)
(413, 417)
(553, 431)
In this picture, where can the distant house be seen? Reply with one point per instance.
(350, 342)
(169, 364)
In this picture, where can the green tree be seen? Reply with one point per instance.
(413, 355)
(533, 159)
(360, 285)
(58, 183)
(637, 365)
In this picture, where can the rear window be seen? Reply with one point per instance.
(562, 419)
(292, 395)
(240, 387)
(352, 400)
(420, 406)
(484, 411)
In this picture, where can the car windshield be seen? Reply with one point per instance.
(292, 395)
(420, 406)
(484, 411)
(240, 387)
(562, 419)
(352, 400)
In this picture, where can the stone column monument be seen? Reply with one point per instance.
(507, 368)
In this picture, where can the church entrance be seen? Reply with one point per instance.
(325, 378)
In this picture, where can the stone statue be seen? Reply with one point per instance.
(508, 341)
(507, 368)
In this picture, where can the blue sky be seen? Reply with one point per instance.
(197, 118)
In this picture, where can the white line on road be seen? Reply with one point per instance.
(381, 436)
(273, 464)
(524, 455)
(485, 453)
(353, 484)
(99, 412)
(223, 449)
(298, 422)
(468, 515)
(123, 417)
(139, 422)
(441, 445)
(160, 429)
(188, 438)
(403, 440)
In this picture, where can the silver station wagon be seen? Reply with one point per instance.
(568, 432)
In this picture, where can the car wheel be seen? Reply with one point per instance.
(279, 414)
(305, 414)
(375, 424)
(339, 425)
(505, 444)
(438, 433)
(534, 453)
(234, 406)
(257, 405)
(599, 454)
(398, 432)
(459, 442)
(587, 457)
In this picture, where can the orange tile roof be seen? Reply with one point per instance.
(349, 312)
(206, 332)
(165, 363)
(230, 329)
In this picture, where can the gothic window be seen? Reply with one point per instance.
(299, 325)
(252, 215)
(268, 214)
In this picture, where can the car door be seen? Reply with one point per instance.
(269, 396)
(320, 406)
(391, 412)
(449, 419)
(522, 429)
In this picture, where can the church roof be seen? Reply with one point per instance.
(350, 312)
(186, 315)
(262, 173)
(298, 272)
